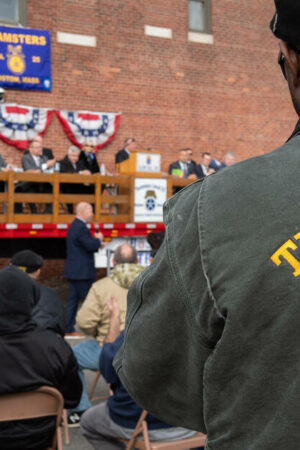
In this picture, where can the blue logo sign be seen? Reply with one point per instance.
(25, 59)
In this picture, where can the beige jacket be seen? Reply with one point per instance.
(93, 316)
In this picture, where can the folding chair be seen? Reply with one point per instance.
(198, 440)
(44, 401)
(94, 385)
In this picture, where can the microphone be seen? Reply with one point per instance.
(96, 226)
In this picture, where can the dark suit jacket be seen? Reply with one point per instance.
(89, 164)
(122, 155)
(81, 247)
(176, 165)
(28, 162)
(199, 171)
(72, 188)
(67, 167)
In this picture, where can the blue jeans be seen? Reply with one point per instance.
(87, 355)
(78, 290)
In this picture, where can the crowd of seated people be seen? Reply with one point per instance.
(186, 167)
(38, 159)
(32, 323)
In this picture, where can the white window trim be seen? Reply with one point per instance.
(200, 38)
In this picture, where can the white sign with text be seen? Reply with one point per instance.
(149, 197)
(148, 162)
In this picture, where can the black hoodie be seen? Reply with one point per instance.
(30, 357)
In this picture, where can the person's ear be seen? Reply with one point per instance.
(291, 60)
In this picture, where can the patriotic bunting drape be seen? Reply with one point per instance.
(85, 126)
(20, 124)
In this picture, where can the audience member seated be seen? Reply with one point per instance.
(72, 164)
(118, 416)
(30, 357)
(88, 157)
(203, 169)
(49, 312)
(35, 162)
(122, 155)
(93, 317)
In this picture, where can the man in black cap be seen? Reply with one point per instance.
(30, 357)
(49, 311)
(212, 340)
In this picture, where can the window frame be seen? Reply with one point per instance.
(22, 15)
(207, 17)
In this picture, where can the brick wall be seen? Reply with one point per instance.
(172, 93)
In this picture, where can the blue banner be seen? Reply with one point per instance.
(25, 59)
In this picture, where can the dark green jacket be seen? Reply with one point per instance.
(213, 325)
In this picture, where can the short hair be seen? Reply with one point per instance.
(125, 253)
(73, 149)
(229, 154)
(129, 141)
(205, 154)
(182, 150)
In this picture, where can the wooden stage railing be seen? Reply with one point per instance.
(113, 205)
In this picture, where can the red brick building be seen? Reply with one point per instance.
(175, 85)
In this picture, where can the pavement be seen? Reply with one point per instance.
(77, 441)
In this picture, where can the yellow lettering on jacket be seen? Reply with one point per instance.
(283, 252)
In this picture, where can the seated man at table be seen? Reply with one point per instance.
(35, 162)
(88, 157)
(72, 164)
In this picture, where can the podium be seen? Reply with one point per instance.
(141, 163)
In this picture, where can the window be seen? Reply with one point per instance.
(199, 16)
(13, 11)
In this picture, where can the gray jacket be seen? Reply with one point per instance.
(28, 163)
(212, 337)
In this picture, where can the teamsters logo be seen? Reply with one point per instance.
(150, 202)
(15, 59)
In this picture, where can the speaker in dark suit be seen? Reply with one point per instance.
(122, 155)
(79, 268)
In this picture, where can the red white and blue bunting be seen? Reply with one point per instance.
(20, 124)
(85, 126)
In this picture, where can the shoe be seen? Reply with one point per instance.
(74, 335)
(74, 419)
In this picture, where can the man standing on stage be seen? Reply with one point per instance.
(80, 269)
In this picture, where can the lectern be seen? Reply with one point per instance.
(141, 163)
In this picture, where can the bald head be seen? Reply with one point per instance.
(84, 211)
(125, 253)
